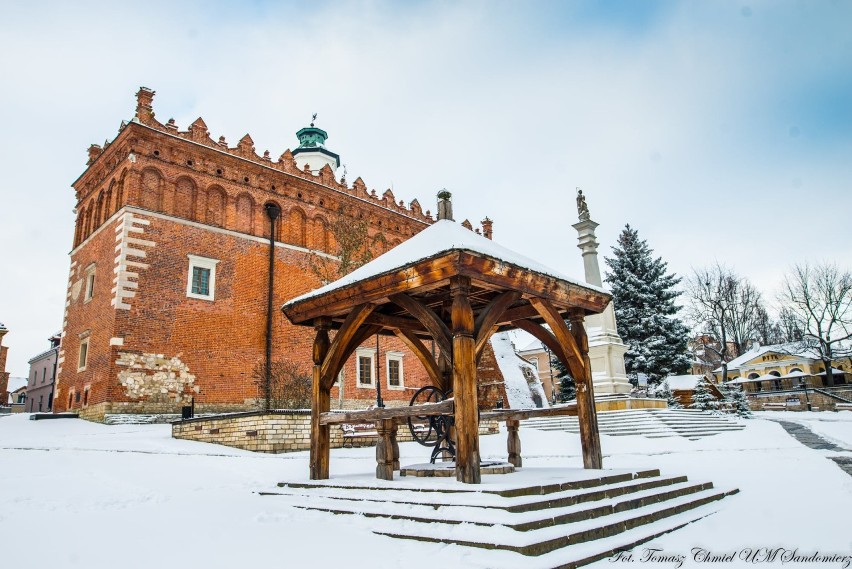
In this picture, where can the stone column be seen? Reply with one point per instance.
(606, 349)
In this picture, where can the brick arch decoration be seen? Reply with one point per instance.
(215, 211)
(151, 197)
(184, 204)
(119, 191)
(295, 227)
(99, 210)
(277, 230)
(108, 197)
(245, 210)
(319, 234)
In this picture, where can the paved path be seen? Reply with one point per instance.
(807, 437)
(810, 439)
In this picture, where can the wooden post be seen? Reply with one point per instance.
(320, 403)
(395, 445)
(384, 449)
(514, 442)
(464, 384)
(586, 413)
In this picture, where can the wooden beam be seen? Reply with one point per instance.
(505, 414)
(464, 384)
(390, 321)
(558, 327)
(424, 355)
(545, 337)
(320, 403)
(445, 407)
(488, 318)
(340, 349)
(587, 414)
(436, 327)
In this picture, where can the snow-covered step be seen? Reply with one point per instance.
(576, 520)
(520, 521)
(652, 423)
(544, 540)
(490, 501)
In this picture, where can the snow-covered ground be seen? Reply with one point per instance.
(81, 494)
(834, 427)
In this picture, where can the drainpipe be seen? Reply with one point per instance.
(272, 212)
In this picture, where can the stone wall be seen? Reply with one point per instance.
(275, 432)
(818, 401)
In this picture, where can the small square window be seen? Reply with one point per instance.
(394, 371)
(201, 282)
(365, 367)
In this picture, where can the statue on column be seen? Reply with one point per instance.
(582, 208)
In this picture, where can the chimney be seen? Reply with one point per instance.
(95, 150)
(487, 225)
(445, 206)
(144, 108)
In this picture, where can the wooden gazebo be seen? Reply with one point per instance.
(455, 287)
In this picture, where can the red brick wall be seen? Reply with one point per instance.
(205, 199)
(4, 376)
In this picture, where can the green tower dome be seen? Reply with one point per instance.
(312, 150)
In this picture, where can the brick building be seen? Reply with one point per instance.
(167, 292)
(42, 378)
(4, 375)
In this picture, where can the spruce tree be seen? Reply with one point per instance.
(643, 294)
(738, 400)
(704, 399)
(567, 388)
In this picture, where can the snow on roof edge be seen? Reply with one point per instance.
(422, 247)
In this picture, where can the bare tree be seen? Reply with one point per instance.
(725, 309)
(819, 299)
(290, 384)
(352, 245)
(788, 325)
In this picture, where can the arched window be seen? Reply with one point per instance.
(795, 370)
(753, 375)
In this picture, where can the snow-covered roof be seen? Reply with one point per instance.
(439, 238)
(683, 382)
(791, 349)
(534, 346)
(512, 366)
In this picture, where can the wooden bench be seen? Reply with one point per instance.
(358, 431)
(843, 407)
(774, 406)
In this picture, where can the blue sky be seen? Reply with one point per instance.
(721, 130)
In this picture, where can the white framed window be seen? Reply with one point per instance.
(201, 280)
(394, 370)
(365, 367)
(90, 283)
(84, 354)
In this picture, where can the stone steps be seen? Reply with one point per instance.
(651, 423)
(557, 524)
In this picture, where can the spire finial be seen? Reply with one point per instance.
(313, 119)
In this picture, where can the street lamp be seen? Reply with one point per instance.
(803, 385)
